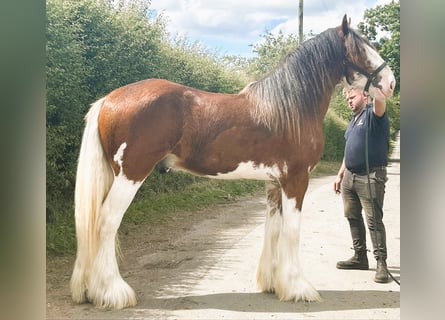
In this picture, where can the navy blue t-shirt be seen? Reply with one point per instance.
(378, 141)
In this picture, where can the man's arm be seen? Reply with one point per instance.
(379, 107)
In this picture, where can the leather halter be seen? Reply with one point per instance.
(370, 76)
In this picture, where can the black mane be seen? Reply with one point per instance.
(294, 91)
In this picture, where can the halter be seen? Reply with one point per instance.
(370, 76)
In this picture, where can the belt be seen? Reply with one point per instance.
(363, 171)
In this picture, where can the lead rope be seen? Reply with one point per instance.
(372, 199)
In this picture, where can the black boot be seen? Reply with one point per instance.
(360, 259)
(381, 274)
(378, 238)
(358, 262)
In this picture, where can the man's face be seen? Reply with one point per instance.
(356, 101)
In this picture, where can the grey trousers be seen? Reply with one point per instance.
(355, 194)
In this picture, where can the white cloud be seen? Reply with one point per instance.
(218, 22)
(230, 17)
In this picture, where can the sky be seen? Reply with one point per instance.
(232, 26)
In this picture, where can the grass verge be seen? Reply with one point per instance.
(155, 207)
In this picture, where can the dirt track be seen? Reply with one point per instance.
(202, 265)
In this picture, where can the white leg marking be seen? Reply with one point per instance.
(268, 261)
(106, 287)
(289, 282)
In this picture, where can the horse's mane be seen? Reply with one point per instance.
(294, 91)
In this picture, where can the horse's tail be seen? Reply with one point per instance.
(93, 181)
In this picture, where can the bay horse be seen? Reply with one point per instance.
(271, 130)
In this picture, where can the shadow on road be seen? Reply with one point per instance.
(264, 302)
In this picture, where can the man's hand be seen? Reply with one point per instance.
(339, 178)
(337, 184)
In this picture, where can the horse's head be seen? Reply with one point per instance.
(363, 66)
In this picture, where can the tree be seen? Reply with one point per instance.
(381, 26)
(270, 52)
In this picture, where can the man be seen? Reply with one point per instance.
(352, 180)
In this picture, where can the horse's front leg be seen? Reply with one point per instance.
(283, 274)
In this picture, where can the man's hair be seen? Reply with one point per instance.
(346, 91)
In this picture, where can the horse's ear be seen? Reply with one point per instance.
(345, 25)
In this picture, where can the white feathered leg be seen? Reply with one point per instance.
(106, 288)
(268, 261)
(289, 281)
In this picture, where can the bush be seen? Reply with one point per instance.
(334, 141)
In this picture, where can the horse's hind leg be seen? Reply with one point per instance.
(268, 261)
(106, 288)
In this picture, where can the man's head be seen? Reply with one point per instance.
(356, 99)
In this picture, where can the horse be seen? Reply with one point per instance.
(271, 131)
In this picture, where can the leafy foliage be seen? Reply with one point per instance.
(193, 65)
(66, 73)
(270, 52)
(334, 127)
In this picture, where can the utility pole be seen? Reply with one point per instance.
(300, 21)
